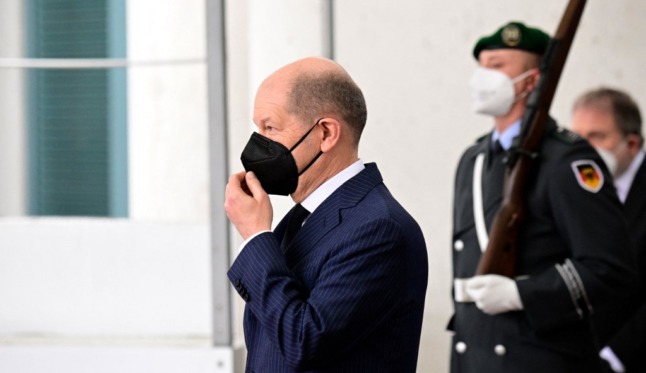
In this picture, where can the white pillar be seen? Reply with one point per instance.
(13, 169)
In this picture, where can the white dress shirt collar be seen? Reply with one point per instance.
(625, 180)
(327, 188)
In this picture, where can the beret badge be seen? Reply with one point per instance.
(511, 35)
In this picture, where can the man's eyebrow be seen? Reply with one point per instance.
(261, 122)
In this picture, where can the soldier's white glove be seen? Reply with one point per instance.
(494, 294)
(615, 364)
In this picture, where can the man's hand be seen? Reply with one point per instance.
(247, 205)
(494, 294)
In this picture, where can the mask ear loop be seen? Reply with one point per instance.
(301, 140)
(522, 76)
(518, 79)
(304, 136)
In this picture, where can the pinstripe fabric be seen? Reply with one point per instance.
(348, 293)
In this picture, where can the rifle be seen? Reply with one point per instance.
(500, 255)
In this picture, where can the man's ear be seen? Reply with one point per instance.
(536, 75)
(331, 133)
(634, 144)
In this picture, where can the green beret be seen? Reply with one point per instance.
(514, 35)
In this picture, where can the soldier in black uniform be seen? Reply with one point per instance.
(574, 257)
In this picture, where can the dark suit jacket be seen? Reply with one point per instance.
(348, 293)
(563, 222)
(630, 343)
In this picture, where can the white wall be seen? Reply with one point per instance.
(12, 115)
(106, 295)
(104, 279)
(93, 359)
(167, 112)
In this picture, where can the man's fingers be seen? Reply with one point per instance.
(247, 205)
(233, 188)
(235, 180)
(254, 185)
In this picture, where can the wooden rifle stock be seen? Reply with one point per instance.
(500, 255)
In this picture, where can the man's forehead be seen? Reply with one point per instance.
(269, 109)
(603, 104)
(503, 54)
(267, 114)
(598, 109)
(596, 117)
(270, 95)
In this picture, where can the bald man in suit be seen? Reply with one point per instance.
(339, 285)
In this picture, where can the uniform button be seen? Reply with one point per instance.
(500, 350)
(461, 347)
(458, 245)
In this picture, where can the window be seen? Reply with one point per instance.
(77, 117)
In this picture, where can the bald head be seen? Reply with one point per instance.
(314, 87)
(312, 65)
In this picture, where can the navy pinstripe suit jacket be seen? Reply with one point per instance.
(348, 293)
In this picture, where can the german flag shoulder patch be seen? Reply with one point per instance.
(588, 175)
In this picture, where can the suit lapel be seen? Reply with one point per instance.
(328, 215)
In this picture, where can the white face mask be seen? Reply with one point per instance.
(492, 92)
(612, 157)
(609, 159)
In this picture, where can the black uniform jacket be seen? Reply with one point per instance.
(629, 344)
(573, 259)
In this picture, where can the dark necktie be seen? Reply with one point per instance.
(497, 148)
(494, 177)
(299, 214)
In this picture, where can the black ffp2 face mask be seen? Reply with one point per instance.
(273, 164)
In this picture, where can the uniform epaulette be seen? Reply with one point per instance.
(565, 135)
